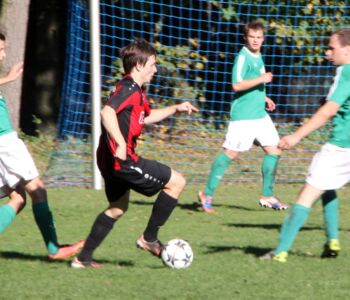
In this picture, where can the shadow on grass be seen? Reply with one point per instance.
(255, 251)
(30, 257)
(249, 250)
(194, 206)
(270, 226)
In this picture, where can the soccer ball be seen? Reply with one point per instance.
(177, 254)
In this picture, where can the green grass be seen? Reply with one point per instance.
(225, 248)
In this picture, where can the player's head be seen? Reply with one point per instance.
(339, 47)
(254, 36)
(2, 46)
(137, 55)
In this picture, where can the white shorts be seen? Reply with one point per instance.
(16, 163)
(240, 135)
(330, 168)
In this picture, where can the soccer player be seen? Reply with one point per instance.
(18, 175)
(249, 121)
(123, 118)
(330, 167)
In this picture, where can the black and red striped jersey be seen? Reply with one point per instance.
(131, 107)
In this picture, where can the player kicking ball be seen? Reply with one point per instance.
(18, 176)
(330, 167)
(123, 118)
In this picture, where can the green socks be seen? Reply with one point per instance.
(218, 168)
(7, 214)
(268, 170)
(330, 213)
(44, 220)
(291, 227)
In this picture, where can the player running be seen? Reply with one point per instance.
(123, 118)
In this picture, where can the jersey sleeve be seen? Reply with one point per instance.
(238, 69)
(118, 101)
(147, 108)
(340, 91)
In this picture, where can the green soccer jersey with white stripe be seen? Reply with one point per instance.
(5, 122)
(340, 93)
(249, 104)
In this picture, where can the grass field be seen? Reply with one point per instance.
(225, 248)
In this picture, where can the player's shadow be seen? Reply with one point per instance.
(269, 226)
(223, 206)
(255, 251)
(24, 256)
(248, 250)
(195, 206)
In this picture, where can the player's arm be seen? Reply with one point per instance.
(320, 118)
(247, 84)
(110, 123)
(160, 114)
(13, 74)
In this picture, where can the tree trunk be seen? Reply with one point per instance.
(14, 20)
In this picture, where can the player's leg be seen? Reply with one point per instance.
(101, 228)
(45, 221)
(330, 204)
(239, 138)
(330, 170)
(164, 205)
(16, 203)
(267, 136)
(296, 219)
(169, 184)
(42, 213)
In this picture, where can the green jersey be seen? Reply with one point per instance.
(5, 122)
(340, 93)
(249, 104)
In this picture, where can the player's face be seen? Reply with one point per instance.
(254, 40)
(2, 50)
(148, 70)
(336, 53)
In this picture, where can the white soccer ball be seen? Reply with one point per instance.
(177, 254)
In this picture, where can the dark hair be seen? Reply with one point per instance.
(343, 36)
(254, 25)
(138, 52)
(2, 37)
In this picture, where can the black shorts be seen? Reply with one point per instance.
(146, 177)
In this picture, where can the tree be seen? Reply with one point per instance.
(14, 20)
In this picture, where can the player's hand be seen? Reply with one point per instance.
(121, 152)
(270, 105)
(15, 71)
(288, 141)
(187, 107)
(266, 77)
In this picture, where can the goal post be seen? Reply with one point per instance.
(196, 42)
(95, 86)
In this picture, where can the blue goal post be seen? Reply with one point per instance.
(196, 42)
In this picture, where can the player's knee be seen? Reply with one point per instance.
(17, 200)
(117, 212)
(179, 181)
(36, 189)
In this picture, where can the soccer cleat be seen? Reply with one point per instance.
(155, 247)
(77, 264)
(67, 251)
(273, 202)
(331, 249)
(206, 203)
(280, 257)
